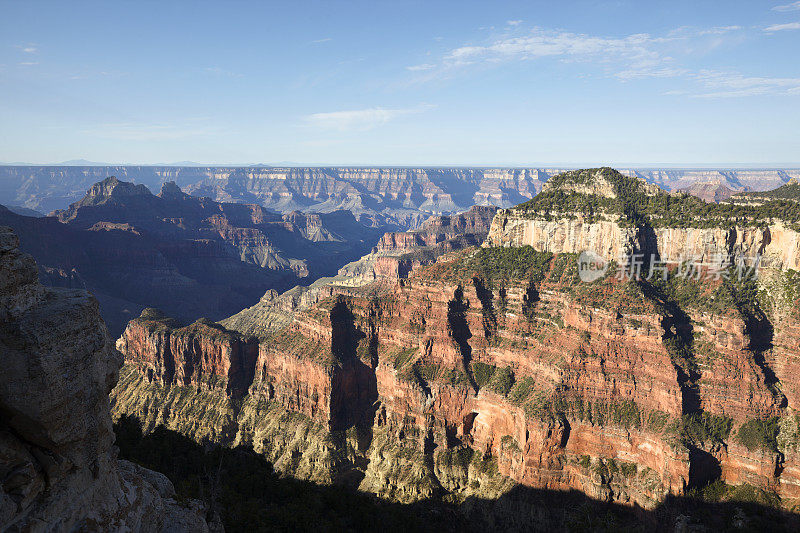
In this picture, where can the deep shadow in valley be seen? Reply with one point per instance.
(242, 487)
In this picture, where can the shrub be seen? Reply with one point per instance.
(626, 414)
(635, 206)
(509, 443)
(522, 390)
(759, 434)
(482, 373)
(404, 356)
(749, 493)
(502, 380)
(706, 427)
(628, 469)
(601, 469)
(657, 420)
(460, 457)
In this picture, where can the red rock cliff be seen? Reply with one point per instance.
(611, 388)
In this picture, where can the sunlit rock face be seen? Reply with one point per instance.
(496, 366)
(596, 402)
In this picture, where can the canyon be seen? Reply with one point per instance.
(483, 369)
(402, 196)
(191, 257)
(395, 256)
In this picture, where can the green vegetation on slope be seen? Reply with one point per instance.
(498, 379)
(759, 434)
(249, 496)
(790, 191)
(635, 206)
(705, 428)
(495, 264)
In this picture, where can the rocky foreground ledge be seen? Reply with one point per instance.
(58, 465)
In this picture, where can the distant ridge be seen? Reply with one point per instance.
(400, 195)
(82, 163)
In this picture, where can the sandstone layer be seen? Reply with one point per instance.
(778, 245)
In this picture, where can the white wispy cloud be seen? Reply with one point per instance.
(424, 66)
(221, 72)
(689, 32)
(782, 27)
(794, 6)
(30, 49)
(514, 22)
(634, 55)
(130, 131)
(653, 69)
(318, 41)
(626, 58)
(718, 30)
(28, 63)
(359, 119)
(733, 85)
(634, 51)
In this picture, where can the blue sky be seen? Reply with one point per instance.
(402, 83)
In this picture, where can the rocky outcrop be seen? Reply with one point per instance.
(574, 235)
(439, 229)
(58, 468)
(394, 257)
(710, 191)
(614, 216)
(202, 355)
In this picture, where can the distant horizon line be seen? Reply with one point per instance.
(633, 166)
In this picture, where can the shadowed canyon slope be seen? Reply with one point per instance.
(190, 256)
(58, 466)
(496, 366)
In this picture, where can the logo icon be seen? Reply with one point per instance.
(591, 266)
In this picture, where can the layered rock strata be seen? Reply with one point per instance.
(456, 388)
(394, 257)
(778, 245)
(405, 195)
(497, 366)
